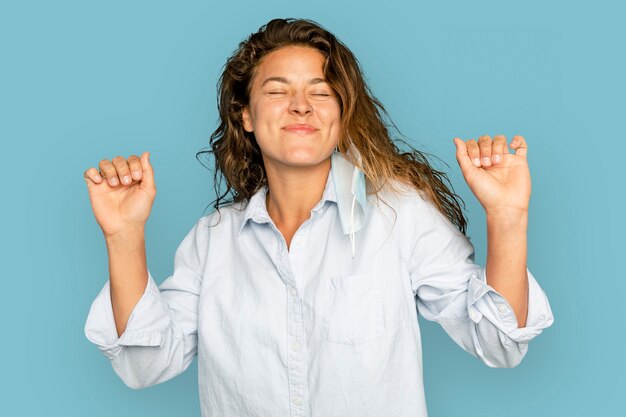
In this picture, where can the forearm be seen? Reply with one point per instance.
(127, 273)
(506, 259)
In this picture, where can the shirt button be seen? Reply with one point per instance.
(502, 308)
(296, 401)
(295, 346)
(293, 291)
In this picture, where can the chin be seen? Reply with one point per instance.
(303, 157)
(302, 162)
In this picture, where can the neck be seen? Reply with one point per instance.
(294, 192)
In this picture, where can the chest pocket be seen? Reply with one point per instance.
(353, 310)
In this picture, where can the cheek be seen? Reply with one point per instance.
(268, 114)
(330, 114)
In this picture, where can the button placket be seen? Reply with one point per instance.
(296, 355)
(297, 254)
(296, 358)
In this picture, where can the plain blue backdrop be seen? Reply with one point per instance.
(86, 80)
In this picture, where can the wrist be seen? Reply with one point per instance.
(515, 219)
(127, 238)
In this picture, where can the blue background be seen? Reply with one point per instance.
(83, 80)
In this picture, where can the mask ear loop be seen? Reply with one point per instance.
(352, 236)
(354, 179)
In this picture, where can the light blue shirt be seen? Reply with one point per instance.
(326, 328)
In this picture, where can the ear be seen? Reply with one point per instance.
(247, 121)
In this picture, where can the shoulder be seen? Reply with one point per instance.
(223, 221)
(227, 215)
(413, 211)
(402, 198)
(421, 229)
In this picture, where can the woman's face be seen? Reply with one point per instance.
(293, 112)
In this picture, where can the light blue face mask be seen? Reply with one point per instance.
(349, 183)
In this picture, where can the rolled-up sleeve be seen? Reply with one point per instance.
(160, 338)
(146, 325)
(484, 301)
(452, 290)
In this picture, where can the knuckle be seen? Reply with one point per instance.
(485, 144)
(121, 166)
(107, 167)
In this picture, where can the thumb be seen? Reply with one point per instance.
(463, 157)
(519, 145)
(147, 179)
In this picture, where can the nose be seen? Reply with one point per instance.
(300, 104)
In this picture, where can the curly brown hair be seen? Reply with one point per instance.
(238, 158)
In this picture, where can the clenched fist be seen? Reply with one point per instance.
(121, 192)
(500, 180)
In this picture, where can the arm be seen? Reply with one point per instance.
(128, 274)
(501, 182)
(492, 322)
(506, 260)
(159, 340)
(122, 192)
(453, 291)
(148, 333)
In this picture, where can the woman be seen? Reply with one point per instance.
(299, 296)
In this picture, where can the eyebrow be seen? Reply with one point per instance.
(286, 81)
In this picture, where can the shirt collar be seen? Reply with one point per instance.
(345, 185)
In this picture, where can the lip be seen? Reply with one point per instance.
(300, 128)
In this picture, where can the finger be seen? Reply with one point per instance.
(498, 149)
(107, 170)
(147, 171)
(92, 176)
(134, 165)
(462, 155)
(519, 145)
(473, 151)
(123, 171)
(484, 143)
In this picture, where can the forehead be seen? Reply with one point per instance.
(294, 61)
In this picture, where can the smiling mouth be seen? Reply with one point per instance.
(302, 129)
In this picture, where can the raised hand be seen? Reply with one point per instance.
(500, 180)
(121, 193)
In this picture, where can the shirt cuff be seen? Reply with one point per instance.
(145, 327)
(484, 301)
